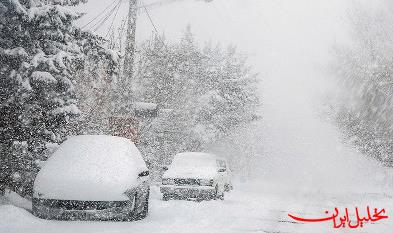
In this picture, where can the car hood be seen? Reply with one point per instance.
(197, 173)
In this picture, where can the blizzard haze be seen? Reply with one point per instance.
(288, 43)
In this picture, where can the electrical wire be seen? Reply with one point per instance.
(154, 27)
(113, 20)
(151, 20)
(99, 24)
(102, 12)
(158, 3)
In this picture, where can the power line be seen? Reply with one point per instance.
(113, 20)
(105, 18)
(102, 12)
(151, 20)
(158, 3)
(154, 27)
(101, 22)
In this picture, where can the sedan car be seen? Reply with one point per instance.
(93, 178)
(194, 175)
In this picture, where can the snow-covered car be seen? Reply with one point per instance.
(194, 175)
(93, 177)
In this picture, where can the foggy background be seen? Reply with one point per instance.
(289, 43)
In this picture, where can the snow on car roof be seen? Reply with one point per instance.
(91, 168)
(192, 165)
(194, 159)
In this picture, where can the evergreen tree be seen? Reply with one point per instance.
(39, 53)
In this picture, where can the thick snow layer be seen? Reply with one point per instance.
(15, 52)
(192, 165)
(40, 11)
(252, 207)
(90, 168)
(16, 200)
(70, 109)
(194, 159)
(39, 76)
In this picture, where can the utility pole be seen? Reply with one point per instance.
(122, 122)
(123, 93)
(129, 55)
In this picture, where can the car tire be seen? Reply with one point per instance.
(165, 197)
(143, 213)
(221, 197)
(217, 195)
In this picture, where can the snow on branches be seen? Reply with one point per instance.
(41, 52)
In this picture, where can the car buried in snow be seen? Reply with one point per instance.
(93, 177)
(196, 176)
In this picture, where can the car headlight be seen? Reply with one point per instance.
(206, 182)
(168, 181)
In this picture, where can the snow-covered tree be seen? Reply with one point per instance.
(204, 93)
(365, 74)
(40, 52)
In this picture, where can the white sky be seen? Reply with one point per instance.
(270, 31)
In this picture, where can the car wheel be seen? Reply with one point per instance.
(165, 197)
(221, 197)
(145, 203)
(218, 195)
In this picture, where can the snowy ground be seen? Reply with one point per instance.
(251, 207)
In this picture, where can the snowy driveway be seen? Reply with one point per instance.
(250, 207)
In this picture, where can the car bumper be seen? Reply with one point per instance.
(188, 192)
(120, 213)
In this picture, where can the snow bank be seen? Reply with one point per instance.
(12, 216)
(16, 200)
(90, 168)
